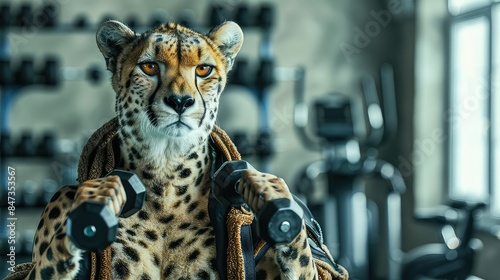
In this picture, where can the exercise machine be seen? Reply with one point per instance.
(350, 153)
(454, 258)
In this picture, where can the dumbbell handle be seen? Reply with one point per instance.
(278, 221)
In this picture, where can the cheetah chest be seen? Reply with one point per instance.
(161, 243)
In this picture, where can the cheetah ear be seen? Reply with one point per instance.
(111, 38)
(229, 38)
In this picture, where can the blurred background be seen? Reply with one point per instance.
(382, 115)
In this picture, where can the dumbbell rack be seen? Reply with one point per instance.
(14, 79)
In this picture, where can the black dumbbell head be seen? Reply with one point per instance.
(26, 146)
(265, 73)
(264, 144)
(134, 189)
(24, 17)
(227, 177)
(25, 74)
(47, 16)
(217, 15)
(92, 226)
(47, 145)
(94, 74)
(81, 21)
(132, 21)
(243, 144)
(240, 73)
(5, 16)
(6, 78)
(265, 18)
(6, 148)
(279, 221)
(50, 71)
(243, 16)
(157, 19)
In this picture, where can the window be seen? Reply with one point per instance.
(495, 90)
(474, 105)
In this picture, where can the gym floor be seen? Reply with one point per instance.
(336, 42)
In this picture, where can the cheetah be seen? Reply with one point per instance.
(168, 82)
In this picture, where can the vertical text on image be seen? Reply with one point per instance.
(11, 218)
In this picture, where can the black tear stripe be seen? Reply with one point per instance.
(151, 115)
(203, 101)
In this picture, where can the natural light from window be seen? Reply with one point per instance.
(495, 199)
(469, 108)
(461, 6)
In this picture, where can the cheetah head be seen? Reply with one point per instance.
(168, 81)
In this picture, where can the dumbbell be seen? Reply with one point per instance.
(26, 145)
(132, 22)
(243, 143)
(243, 16)
(29, 194)
(279, 221)
(81, 22)
(265, 17)
(5, 16)
(240, 73)
(48, 188)
(92, 226)
(264, 144)
(187, 18)
(217, 14)
(6, 147)
(47, 146)
(265, 73)
(50, 73)
(25, 73)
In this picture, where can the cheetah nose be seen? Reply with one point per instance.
(179, 103)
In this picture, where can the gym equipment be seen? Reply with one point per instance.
(261, 80)
(50, 73)
(29, 194)
(242, 15)
(262, 17)
(27, 146)
(350, 153)
(92, 226)
(265, 17)
(6, 148)
(279, 221)
(47, 146)
(242, 141)
(48, 188)
(452, 259)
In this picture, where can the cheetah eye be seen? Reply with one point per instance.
(149, 68)
(203, 70)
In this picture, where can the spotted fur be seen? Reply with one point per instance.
(165, 141)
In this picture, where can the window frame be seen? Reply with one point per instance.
(487, 12)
